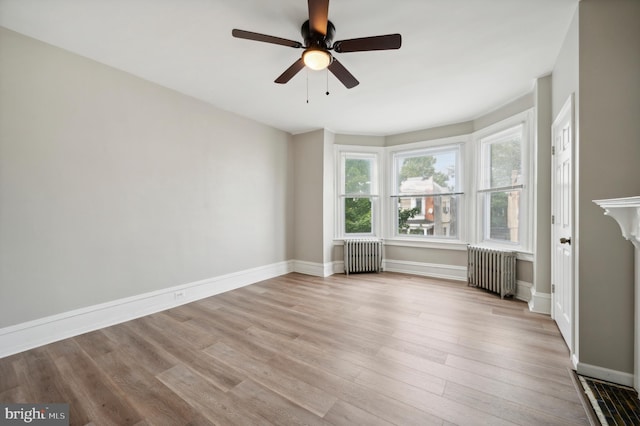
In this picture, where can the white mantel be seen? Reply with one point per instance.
(626, 211)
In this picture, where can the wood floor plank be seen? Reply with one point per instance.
(316, 329)
(423, 349)
(42, 382)
(274, 407)
(95, 343)
(156, 403)
(280, 381)
(371, 349)
(286, 320)
(184, 331)
(398, 372)
(234, 335)
(446, 321)
(508, 410)
(37, 371)
(393, 410)
(372, 323)
(8, 376)
(217, 406)
(324, 359)
(445, 408)
(514, 360)
(182, 350)
(516, 378)
(489, 385)
(259, 320)
(137, 346)
(104, 401)
(343, 413)
(15, 395)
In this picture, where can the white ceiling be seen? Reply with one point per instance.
(459, 58)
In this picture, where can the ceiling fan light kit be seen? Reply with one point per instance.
(316, 59)
(318, 34)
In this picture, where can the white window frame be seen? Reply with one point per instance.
(342, 152)
(482, 139)
(444, 144)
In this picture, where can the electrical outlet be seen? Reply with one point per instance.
(179, 294)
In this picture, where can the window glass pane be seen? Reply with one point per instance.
(357, 212)
(505, 162)
(504, 215)
(436, 216)
(427, 174)
(357, 176)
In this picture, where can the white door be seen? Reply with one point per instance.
(561, 229)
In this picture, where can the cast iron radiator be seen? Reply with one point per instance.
(362, 255)
(492, 270)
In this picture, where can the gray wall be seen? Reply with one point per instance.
(111, 186)
(314, 196)
(328, 194)
(359, 140)
(565, 70)
(542, 182)
(426, 255)
(308, 195)
(451, 130)
(512, 108)
(608, 156)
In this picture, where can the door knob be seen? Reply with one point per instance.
(565, 240)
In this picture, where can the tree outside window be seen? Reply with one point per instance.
(358, 203)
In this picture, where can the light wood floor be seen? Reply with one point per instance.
(366, 349)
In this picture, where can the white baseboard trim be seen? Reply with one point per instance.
(574, 361)
(523, 291)
(31, 334)
(457, 273)
(619, 377)
(329, 268)
(434, 270)
(312, 268)
(540, 303)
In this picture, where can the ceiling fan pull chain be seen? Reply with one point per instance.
(307, 71)
(327, 82)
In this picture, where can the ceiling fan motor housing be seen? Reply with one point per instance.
(315, 39)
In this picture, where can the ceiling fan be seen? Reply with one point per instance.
(318, 33)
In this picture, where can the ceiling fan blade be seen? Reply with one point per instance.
(319, 15)
(382, 42)
(248, 35)
(290, 72)
(343, 74)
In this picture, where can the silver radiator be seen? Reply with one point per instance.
(362, 255)
(492, 270)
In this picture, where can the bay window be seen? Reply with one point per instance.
(443, 193)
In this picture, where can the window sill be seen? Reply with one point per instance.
(435, 244)
(442, 245)
(521, 254)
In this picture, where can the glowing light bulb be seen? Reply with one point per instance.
(316, 59)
